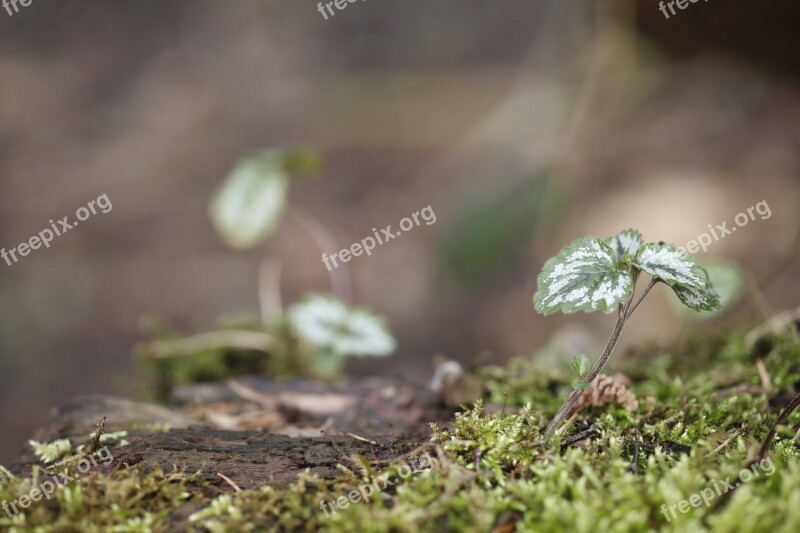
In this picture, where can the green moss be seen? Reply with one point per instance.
(494, 471)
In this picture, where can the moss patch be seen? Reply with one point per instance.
(702, 412)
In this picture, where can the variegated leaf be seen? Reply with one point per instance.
(628, 241)
(582, 277)
(703, 298)
(249, 205)
(670, 265)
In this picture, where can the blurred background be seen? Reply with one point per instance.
(523, 124)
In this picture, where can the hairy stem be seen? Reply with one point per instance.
(623, 313)
(598, 366)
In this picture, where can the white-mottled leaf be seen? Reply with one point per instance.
(723, 288)
(328, 324)
(582, 277)
(670, 265)
(628, 241)
(248, 206)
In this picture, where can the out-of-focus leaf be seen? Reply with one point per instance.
(248, 206)
(330, 325)
(726, 280)
(581, 365)
(492, 236)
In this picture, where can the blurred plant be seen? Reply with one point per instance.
(726, 278)
(593, 274)
(246, 210)
(335, 331)
(489, 237)
(248, 206)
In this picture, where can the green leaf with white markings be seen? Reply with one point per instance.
(670, 265)
(626, 242)
(703, 298)
(584, 276)
(249, 204)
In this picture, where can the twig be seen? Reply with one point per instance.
(269, 289)
(725, 442)
(634, 467)
(362, 439)
(229, 482)
(590, 432)
(567, 424)
(243, 340)
(94, 441)
(762, 451)
(766, 382)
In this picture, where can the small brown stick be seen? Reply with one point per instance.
(269, 290)
(94, 442)
(637, 437)
(229, 482)
(762, 451)
(590, 432)
(725, 442)
(362, 439)
(241, 339)
(766, 382)
(567, 424)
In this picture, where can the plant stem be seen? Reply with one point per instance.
(598, 366)
(762, 451)
(632, 308)
(623, 313)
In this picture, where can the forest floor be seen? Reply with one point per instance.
(669, 443)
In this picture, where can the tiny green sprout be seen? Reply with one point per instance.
(593, 274)
(580, 365)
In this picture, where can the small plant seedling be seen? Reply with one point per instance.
(580, 365)
(593, 274)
